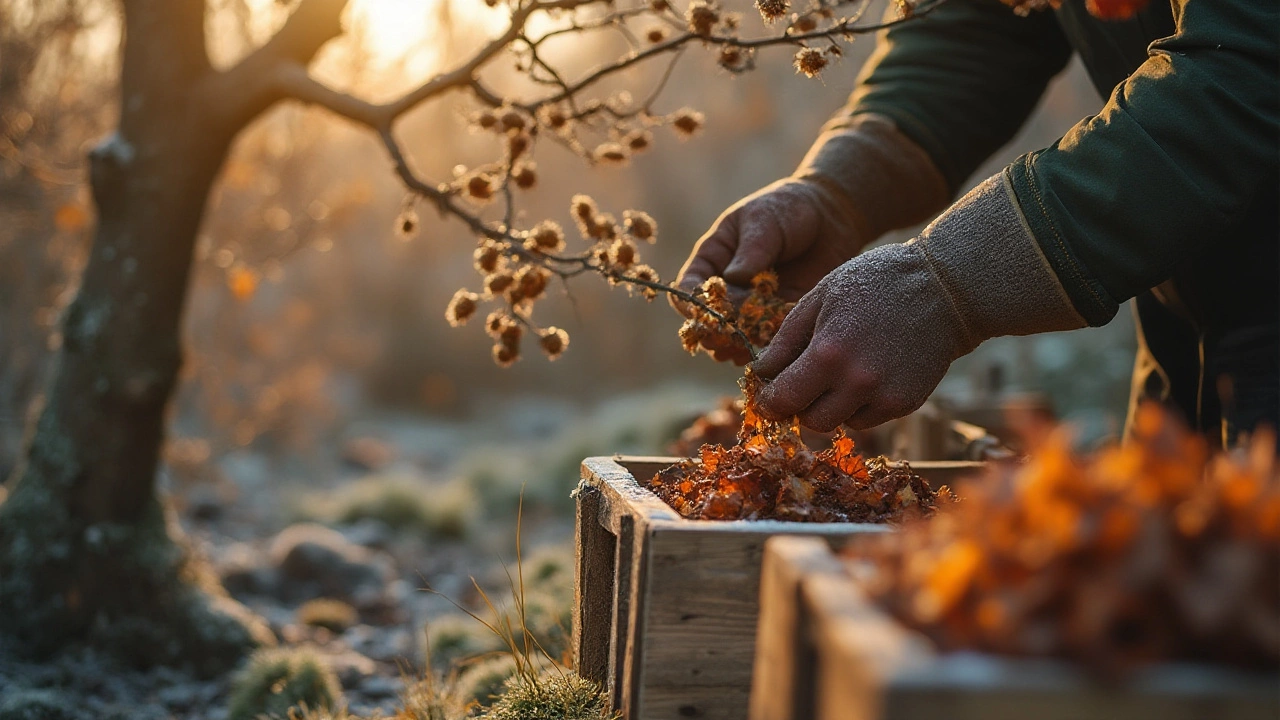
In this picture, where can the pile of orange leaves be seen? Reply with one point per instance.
(771, 475)
(757, 317)
(1150, 551)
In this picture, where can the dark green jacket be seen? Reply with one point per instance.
(1175, 178)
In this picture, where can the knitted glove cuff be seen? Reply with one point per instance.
(879, 178)
(991, 267)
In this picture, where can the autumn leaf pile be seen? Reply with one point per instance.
(1151, 551)
(770, 474)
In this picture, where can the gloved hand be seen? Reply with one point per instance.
(874, 338)
(861, 179)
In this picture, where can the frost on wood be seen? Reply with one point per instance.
(770, 474)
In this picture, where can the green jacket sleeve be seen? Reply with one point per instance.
(961, 80)
(1172, 163)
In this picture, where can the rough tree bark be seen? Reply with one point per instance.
(87, 549)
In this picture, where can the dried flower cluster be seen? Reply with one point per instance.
(727, 331)
(1101, 9)
(770, 474)
(1152, 551)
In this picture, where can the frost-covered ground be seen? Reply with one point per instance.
(399, 505)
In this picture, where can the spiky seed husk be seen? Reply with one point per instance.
(702, 17)
(612, 154)
(461, 307)
(554, 341)
(639, 225)
(687, 122)
(810, 61)
(772, 10)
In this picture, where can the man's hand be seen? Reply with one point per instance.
(867, 345)
(874, 338)
(797, 227)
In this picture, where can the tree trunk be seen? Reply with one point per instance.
(87, 549)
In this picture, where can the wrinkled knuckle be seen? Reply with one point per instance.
(828, 353)
(865, 380)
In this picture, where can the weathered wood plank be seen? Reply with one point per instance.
(634, 690)
(783, 686)
(593, 587)
(706, 703)
(619, 636)
(622, 494)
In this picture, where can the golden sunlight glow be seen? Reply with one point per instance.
(415, 33)
(394, 29)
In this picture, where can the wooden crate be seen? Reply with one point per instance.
(666, 608)
(827, 653)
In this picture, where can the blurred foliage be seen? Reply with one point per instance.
(276, 680)
(332, 615)
(25, 704)
(401, 502)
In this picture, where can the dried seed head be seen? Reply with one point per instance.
(461, 307)
(715, 288)
(554, 117)
(547, 236)
(702, 17)
(496, 321)
(582, 207)
(810, 61)
(623, 253)
(603, 227)
(732, 58)
(505, 356)
(803, 24)
(487, 257)
(655, 35)
(687, 122)
(612, 154)
(553, 341)
(765, 283)
(512, 120)
(639, 225)
(510, 335)
(638, 140)
(525, 175)
(497, 282)
(647, 274)
(531, 282)
(407, 223)
(517, 144)
(480, 187)
(600, 253)
(772, 10)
